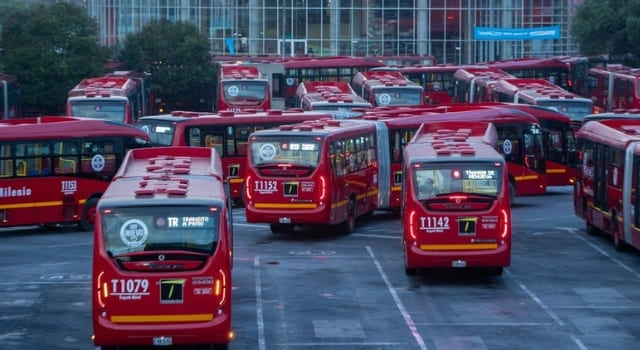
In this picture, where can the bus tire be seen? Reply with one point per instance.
(350, 224)
(512, 193)
(281, 228)
(89, 210)
(496, 270)
(618, 243)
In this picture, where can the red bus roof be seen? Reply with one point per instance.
(440, 68)
(104, 86)
(540, 112)
(156, 162)
(239, 72)
(323, 126)
(614, 132)
(493, 114)
(328, 98)
(534, 89)
(307, 87)
(489, 73)
(61, 127)
(166, 172)
(438, 133)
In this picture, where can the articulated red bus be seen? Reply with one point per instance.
(10, 101)
(382, 89)
(520, 140)
(615, 87)
(540, 92)
(225, 131)
(437, 80)
(456, 209)
(54, 169)
(607, 188)
(162, 253)
(568, 72)
(122, 96)
(475, 84)
(242, 87)
(318, 172)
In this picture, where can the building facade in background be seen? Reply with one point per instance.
(454, 31)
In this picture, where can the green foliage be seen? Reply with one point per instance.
(177, 58)
(50, 49)
(610, 27)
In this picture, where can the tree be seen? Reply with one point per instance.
(608, 27)
(50, 49)
(176, 55)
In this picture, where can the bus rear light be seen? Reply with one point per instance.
(103, 291)
(323, 188)
(505, 223)
(247, 184)
(412, 223)
(220, 288)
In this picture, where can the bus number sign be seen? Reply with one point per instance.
(265, 186)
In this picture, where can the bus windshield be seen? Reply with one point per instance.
(161, 134)
(398, 96)
(245, 91)
(292, 150)
(573, 110)
(114, 111)
(433, 179)
(160, 228)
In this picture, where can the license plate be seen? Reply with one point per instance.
(284, 220)
(162, 341)
(458, 263)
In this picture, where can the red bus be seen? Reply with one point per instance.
(225, 131)
(387, 89)
(607, 188)
(540, 92)
(456, 209)
(10, 101)
(437, 80)
(242, 87)
(122, 96)
(309, 87)
(559, 141)
(520, 140)
(162, 253)
(568, 72)
(54, 169)
(475, 84)
(614, 87)
(320, 172)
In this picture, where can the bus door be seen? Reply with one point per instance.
(601, 159)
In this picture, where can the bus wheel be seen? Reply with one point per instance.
(281, 228)
(350, 224)
(618, 243)
(512, 193)
(496, 270)
(88, 218)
